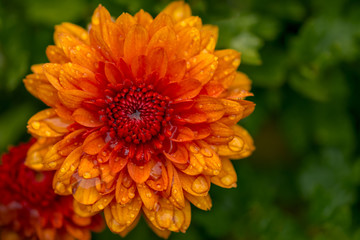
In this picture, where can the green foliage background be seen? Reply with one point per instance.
(303, 181)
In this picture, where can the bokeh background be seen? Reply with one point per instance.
(303, 181)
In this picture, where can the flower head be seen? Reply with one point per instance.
(29, 208)
(143, 116)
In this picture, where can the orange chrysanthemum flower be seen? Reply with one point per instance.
(143, 116)
(29, 208)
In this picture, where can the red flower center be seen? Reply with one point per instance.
(136, 114)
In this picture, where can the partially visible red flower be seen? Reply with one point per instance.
(29, 208)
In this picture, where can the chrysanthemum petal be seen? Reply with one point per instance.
(202, 202)
(188, 42)
(227, 177)
(178, 10)
(47, 124)
(169, 217)
(163, 233)
(176, 70)
(158, 61)
(118, 216)
(38, 86)
(158, 179)
(196, 185)
(229, 61)
(209, 35)
(164, 38)
(202, 67)
(36, 154)
(85, 191)
(174, 191)
(70, 164)
(73, 31)
(180, 155)
(135, 42)
(140, 173)
(143, 18)
(87, 118)
(241, 81)
(125, 21)
(73, 99)
(56, 55)
(125, 188)
(240, 146)
(147, 195)
(88, 167)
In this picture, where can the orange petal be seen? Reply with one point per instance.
(92, 209)
(227, 177)
(158, 179)
(85, 56)
(73, 99)
(56, 55)
(130, 227)
(196, 185)
(52, 73)
(117, 164)
(168, 217)
(74, 76)
(228, 62)
(241, 81)
(158, 61)
(106, 183)
(125, 188)
(202, 202)
(143, 18)
(192, 21)
(87, 118)
(186, 89)
(135, 42)
(88, 167)
(147, 195)
(72, 30)
(84, 191)
(212, 107)
(36, 154)
(70, 165)
(125, 21)
(140, 173)
(209, 35)
(161, 233)
(181, 154)
(47, 124)
(39, 87)
(174, 191)
(164, 38)
(176, 70)
(202, 67)
(118, 217)
(188, 42)
(160, 22)
(178, 10)
(240, 146)
(203, 159)
(113, 74)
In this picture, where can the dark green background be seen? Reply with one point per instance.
(303, 181)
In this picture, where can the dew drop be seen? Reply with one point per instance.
(227, 180)
(35, 125)
(200, 185)
(87, 175)
(52, 164)
(236, 144)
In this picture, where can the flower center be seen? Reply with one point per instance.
(136, 114)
